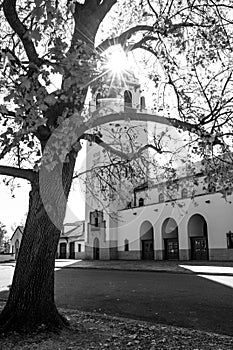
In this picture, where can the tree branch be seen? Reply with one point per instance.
(152, 9)
(27, 174)
(121, 39)
(85, 30)
(140, 43)
(143, 117)
(127, 156)
(109, 118)
(9, 8)
(96, 139)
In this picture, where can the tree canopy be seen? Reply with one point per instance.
(43, 50)
(51, 53)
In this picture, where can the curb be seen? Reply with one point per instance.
(145, 270)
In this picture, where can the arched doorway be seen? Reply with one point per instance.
(147, 241)
(198, 234)
(16, 249)
(127, 98)
(170, 239)
(96, 249)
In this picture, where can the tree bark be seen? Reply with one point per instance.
(31, 300)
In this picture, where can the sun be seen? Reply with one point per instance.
(117, 61)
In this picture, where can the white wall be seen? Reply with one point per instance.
(217, 213)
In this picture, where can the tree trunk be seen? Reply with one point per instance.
(31, 300)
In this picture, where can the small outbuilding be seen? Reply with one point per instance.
(15, 241)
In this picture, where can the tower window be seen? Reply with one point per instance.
(184, 193)
(128, 98)
(141, 202)
(96, 222)
(98, 97)
(161, 198)
(96, 218)
(142, 103)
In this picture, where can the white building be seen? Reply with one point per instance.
(189, 222)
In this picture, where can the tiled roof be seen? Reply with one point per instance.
(73, 230)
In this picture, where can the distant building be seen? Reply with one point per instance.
(72, 241)
(15, 241)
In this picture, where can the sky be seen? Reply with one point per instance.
(13, 210)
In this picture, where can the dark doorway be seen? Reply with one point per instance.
(171, 249)
(199, 248)
(72, 252)
(198, 234)
(62, 251)
(147, 241)
(147, 250)
(170, 238)
(96, 249)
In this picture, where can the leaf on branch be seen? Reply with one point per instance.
(3, 109)
(25, 82)
(36, 35)
(50, 100)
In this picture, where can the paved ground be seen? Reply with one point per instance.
(186, 294)
(7, 271)
(207, 267)
(180, 299)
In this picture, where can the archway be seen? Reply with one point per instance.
(127, 98)
(96, 249)
(198, 235)
(16, 249)
(147, 241)
(170, 239)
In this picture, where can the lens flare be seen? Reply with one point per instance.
(117, 61)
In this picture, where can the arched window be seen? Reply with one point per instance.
(161, 198)
(127, 98)
(141, 202)
(98, 97)
(126, 245)
(96, 218)
(142, 103)
(184, 193)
